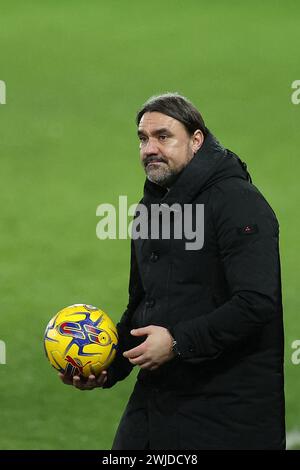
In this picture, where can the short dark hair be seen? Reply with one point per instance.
(177, 107)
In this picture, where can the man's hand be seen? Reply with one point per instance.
(154, 351)
(85, 384)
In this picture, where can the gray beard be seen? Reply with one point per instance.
(164, 179)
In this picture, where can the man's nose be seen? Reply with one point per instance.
(151, 148)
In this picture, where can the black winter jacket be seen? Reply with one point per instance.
(222, 304)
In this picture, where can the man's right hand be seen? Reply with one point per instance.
(85, 384)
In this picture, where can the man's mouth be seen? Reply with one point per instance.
(153, 162)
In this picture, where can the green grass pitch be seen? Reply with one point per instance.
(75, 74)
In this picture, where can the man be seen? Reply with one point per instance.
(203, 325)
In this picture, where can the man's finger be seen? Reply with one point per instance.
(142, 331)
(102, 378)
(91, 382)
(66, 379)
(147, 365)
(135, 352)
(84, 384)
(138, 360)
(77, 382)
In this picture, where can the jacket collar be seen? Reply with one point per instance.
(211, 163)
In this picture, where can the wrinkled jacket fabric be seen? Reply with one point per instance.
(222, 304)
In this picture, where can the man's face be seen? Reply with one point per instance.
(165, 147)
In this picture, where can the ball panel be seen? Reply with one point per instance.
(81, 340)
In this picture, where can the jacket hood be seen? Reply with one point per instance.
(210, 165)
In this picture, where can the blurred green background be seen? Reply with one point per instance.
(76, 72)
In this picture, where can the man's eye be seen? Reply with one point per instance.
(162, 137)
(142, 139)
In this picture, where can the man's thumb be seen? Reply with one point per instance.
(140, 331)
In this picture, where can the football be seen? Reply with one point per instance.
(80, 340)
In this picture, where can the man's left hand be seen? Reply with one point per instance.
(154, 351)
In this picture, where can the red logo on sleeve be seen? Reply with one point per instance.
(247, 230)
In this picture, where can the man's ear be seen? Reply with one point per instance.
(197, 140)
